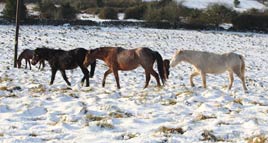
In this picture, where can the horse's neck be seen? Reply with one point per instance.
(102, 54)
(188, 56)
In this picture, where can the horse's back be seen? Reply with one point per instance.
(233, 59)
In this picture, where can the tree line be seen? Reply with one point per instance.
(155, 11)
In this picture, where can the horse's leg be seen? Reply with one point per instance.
(231, 79)
(156, 77)
(203, 75)
(241, 75)
(40, 62)
(195, 73)
(115, 71)
(86, 76)
(54, 71)
(105, 75)
(43, 63)
(25, 63)
(92, 69)
(30, 64)
(148, 77)
(65, 77)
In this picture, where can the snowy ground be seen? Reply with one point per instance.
(33, 111)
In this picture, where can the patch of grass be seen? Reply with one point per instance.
(168, 131)
(169, 102)
(105, 124)
(12, 95)
(3, 79)
(128, 136)
(3, 88)
(38, 89)
(209, 136)
(257, 139)
(120, 114)
(238, 101)
(1, 134)
(257, 103)
(184, 93)
(203, 117)
(91, 117)
(33, 135)
(223, 123)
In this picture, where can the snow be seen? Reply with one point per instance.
(203, 4)
(33, 111)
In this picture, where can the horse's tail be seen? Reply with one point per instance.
(160, 66)
(18, 62)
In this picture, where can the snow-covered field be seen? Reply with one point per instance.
(33, 111)
(243, 6)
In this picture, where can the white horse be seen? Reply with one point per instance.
(205, 62)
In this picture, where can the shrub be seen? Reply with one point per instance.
(152, 14)
(120, 3)
(48, 9)
(217, 14)
(9, 11)
(84, 4)
(62, 11)
(251, 22)
(108, 13)
(67, 12)
(136, 12)
(169, 12)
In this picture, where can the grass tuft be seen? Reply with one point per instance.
(105, 124)
(257, 139)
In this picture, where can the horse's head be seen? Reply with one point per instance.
(166, 63)
(19, 63)
(177, 58)
(90, 57)
(36, 56)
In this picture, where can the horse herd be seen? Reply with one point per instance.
(117, 58)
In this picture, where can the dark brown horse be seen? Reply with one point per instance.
(27, 55)
(118, 58)
(64, 60)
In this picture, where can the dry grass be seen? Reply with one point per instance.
(258, 103)
(209, 136)
(128, 136)
(91, 117)
(169, 102)
(168, 131)
(4, 79)
(238, 101)
(104, 124)
(39, 89)
(3, 88)
(203, 117)
(185, 93)
(120, 114)
(257, 139)
(33, 135)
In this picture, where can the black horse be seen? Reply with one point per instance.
(64, 60)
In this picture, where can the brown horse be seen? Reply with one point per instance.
(27, 54)
(118, 58)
